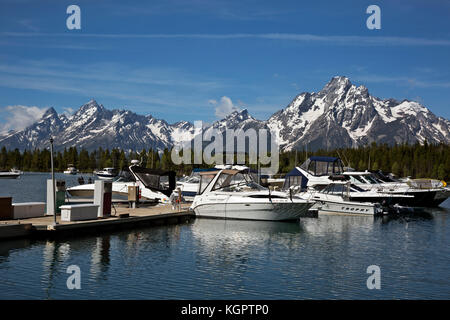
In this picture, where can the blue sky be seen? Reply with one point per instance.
(177, 59)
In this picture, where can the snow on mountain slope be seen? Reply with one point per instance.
(339, 115)
(342, 114)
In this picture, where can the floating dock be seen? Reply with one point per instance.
(121, 218)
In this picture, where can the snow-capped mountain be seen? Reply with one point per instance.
(340, 115)
(343, 115)
(94, 126)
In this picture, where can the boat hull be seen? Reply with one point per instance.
(280, 211)
(9, 176)
(347, 207)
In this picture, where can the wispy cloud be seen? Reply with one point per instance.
(297, 37)
(224, 106)
(156, 89)
(19, 117)
(65, 46)
(402, 80)
(28, 24)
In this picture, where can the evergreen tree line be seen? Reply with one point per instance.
(417, 161)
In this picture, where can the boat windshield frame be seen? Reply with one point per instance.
(369, 178)
(205, 180)
(229, 184)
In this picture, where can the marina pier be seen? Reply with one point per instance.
(123, 217)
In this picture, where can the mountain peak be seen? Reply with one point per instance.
(50, 112)
(238, 115)
(90, 107)
(338, 82)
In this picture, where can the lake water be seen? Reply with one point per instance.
(316, 258)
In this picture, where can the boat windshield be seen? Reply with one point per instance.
(194, 179)
(205, 180)
(236, 182)
(125, 176)
(336, 189)
(370, 179)
(357, 179)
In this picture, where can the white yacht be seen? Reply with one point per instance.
(71, 170)
(11, 174)
(318, 172)
(424, 193)
(154, 185)
(233, 194)
(106, 173)
(342, 197)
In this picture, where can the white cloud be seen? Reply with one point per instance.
(68, 111)
(224, 107)
(19, 117)
(298, 37)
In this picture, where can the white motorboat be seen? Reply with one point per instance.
(233, 194)
(71, 170)
(154, 185)
(342, 197)
(107, 173)
(11, 174)
(423, 193)
(318, 172)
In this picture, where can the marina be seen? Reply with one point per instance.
(139, 237)
(162, 251)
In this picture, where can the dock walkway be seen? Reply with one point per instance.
(122, 217)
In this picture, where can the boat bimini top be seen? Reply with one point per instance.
(155, 179)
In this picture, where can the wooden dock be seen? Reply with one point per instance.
(122, 217)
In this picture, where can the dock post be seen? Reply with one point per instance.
(53, 183)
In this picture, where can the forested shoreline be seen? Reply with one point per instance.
(417, 161)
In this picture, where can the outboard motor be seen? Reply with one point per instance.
(80, 180)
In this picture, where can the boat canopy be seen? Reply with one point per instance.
(295, 178)
(323, 166)
(155, 179)
(203, 169)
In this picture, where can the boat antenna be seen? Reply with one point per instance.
(339, 154)
(346, 160)
(306, 152)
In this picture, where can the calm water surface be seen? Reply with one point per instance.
(317, 258)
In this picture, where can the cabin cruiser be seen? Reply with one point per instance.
(342, 197)
(106, 173)
(154, 185)
(71, 170)
(11, 174)
(424, 192)
(317, 172)
(233, 194)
